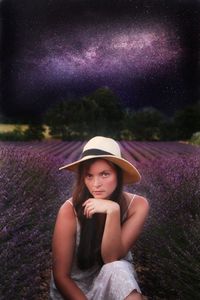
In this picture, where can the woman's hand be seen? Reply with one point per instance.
(102, 206)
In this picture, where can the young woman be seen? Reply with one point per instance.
(96, 228)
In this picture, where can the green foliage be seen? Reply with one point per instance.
(168, 130)
(195, 139)
(104, 114)
(63, 120)
(15, 135)
(127, 135)
(187, 121)
(101, 114)
(33, 132)
(97, 114)
(145, 124)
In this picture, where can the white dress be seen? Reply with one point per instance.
(112, 281)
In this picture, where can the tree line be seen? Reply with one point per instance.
(100, 113)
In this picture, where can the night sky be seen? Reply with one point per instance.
(144, 51)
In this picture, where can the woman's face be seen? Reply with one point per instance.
(101, 179)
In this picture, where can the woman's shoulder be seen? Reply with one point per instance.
(135, 201)
(68, 202)
(67, 210)
(65, 225)
(130, 196)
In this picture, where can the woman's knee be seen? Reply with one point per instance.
(118, 269)
(112, 267)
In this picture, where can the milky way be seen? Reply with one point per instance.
(114, 52)
(144, 51)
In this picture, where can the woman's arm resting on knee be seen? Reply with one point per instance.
(118, 240)
(63, 246)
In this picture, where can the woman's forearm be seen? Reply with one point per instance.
(68, 288)
(111, 246)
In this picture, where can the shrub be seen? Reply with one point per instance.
(145, 124)
(31, 191)
(34, 132)
(195, 139)
(187, 121)
(168, 250)
(126, 134)
(16, 135)
(166, 255)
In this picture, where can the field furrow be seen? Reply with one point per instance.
(134, 151)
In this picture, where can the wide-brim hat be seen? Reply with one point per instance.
(106, 148)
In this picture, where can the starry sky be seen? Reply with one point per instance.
(144, 51)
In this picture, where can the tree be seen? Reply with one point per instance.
(145, 124)
(104, 114)
(187, 121)
(62, 118)
(97, 114)
(35, 131)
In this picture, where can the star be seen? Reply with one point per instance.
(121, 52)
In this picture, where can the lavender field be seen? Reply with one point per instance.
(32, 189)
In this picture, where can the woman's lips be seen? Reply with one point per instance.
(98, 192)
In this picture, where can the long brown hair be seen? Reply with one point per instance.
(89, 249)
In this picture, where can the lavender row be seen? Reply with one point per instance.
(32, 189)
(133, 150)
(168, 250)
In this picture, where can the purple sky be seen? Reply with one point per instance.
(111, 51)
(56, 50)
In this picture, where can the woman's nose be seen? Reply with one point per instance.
(97, 182)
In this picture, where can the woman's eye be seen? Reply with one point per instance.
(105, 174)
(88, 176)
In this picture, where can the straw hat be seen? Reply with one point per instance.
(106, 148)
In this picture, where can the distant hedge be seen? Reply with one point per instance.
(33, 132)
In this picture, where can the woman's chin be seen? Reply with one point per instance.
(99, 195)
